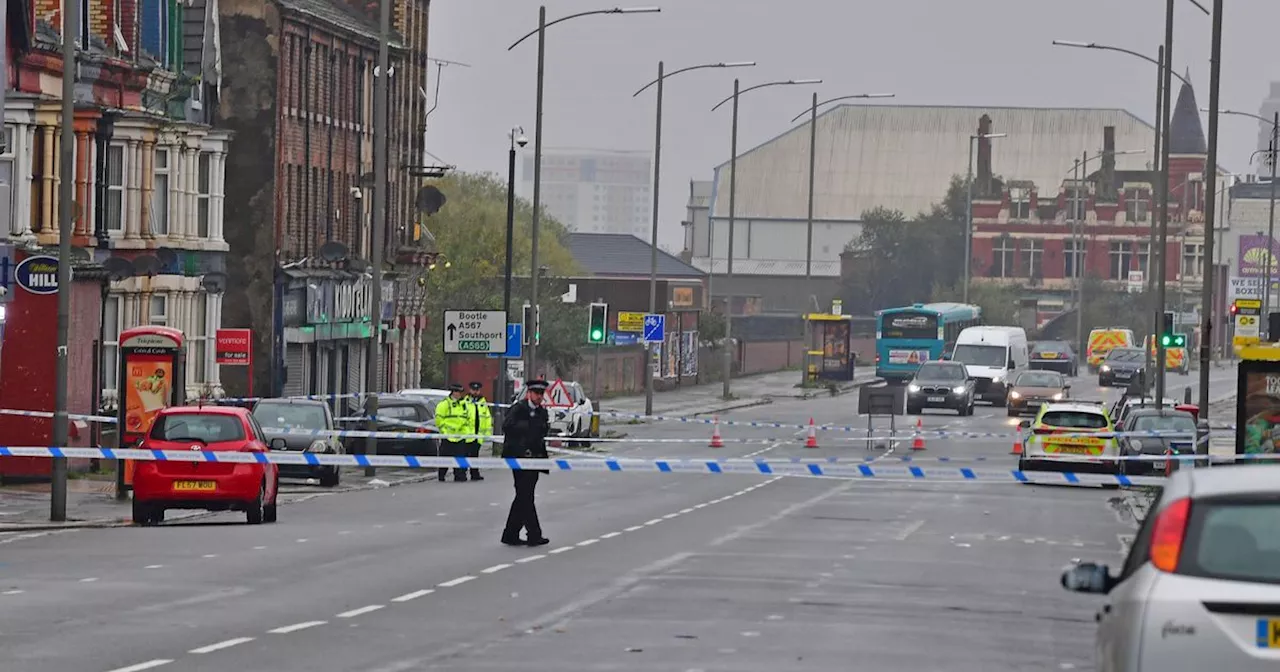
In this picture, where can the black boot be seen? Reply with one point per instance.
(475, 475)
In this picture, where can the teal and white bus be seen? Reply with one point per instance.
(909, 336)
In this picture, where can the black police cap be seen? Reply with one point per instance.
(455, 387)
(537, 386)
(476, 386)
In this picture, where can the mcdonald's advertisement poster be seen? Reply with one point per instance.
(148, 386)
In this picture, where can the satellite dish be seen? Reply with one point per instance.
(429, 200)
(147, 265)
(119, 268)
(80, 254)
(368, 180)
(333, 251)
(167, 256)
(357, 264)
(214, 282)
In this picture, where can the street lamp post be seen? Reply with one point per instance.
(657, 175)
(733, 183)
(1211, 176)
(968, 209)
(517, 138)
(532, 355)
(808, 244)
(381, 86)
(66, 214)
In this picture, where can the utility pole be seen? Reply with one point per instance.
(1271, 218)
(1077, 231)
(1211, 176)
(968, 219)
(653, 247)
(66, 215)
(1152, 258)
(506, 275)
(808, 241)
(531, 370)
(728, 276)
(381, 85)
(1162, 269)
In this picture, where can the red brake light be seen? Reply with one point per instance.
(1167, 535)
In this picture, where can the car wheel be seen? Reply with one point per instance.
(269, 511)
(331, 478)
(145, 514)
(253, 515)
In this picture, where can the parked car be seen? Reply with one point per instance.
(1200, 588)
(431, 394)
(1157, 420)
(213, 486)
(941, 385)
(401, 414)
(577, 420)
(1126, 404)
(1054, 356)
(310, 416)
(1029, 390)
(1124, 367)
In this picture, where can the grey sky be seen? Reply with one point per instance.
(929, 52)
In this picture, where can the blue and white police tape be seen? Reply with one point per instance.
(47, 414)
(860, 471)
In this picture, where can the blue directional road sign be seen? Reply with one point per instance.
(515, 342)
(655, 327)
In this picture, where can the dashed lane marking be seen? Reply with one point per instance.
(150, 664)
(456, 582)
(610, 535)
(531, 558)
(296, 627)
(587, 542)
(633, 528)
(562, 549)
(153, 566)
(89, 579)
(361, 611)
(222, 645)
(12, 592)
(495, 568)
(414, 595)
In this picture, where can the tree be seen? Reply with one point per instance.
(999, 303)
(470, 233)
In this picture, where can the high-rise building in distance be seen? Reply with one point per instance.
(595, 190)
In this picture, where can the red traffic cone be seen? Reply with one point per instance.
(811, 441)
(918, 442)
(1017, 446)
(1168, 463)
(716, 440)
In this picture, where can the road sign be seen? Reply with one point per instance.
(1244, 288)
(475, 332)
(1248, 321)
(515, 342)
(633, 322)
(557, 396)
(626, 338)
(655, 327)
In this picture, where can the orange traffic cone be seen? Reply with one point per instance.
(1168, 463)
(1017, 445)
(918, 442)
(716, 440)
(811, 441)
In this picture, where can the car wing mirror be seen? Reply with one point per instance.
(1088, 577)
(279, 444)
(1025, 424)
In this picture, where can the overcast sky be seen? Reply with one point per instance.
(928, 52)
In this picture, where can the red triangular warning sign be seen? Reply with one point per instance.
(558, 396)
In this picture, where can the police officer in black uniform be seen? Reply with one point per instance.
(525, 435)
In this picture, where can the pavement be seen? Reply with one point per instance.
(645, 571)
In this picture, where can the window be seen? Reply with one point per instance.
(1120, 259)
(153, 29)
(1144, 258)
(1032, 250)
(1002, 259)
(1019, 204)
(7, 177)
(115, 187)
(1137, 204)
(203, 427)
(111, 342)
(82, 33)
(203, 176)
(39, 170)
(1077, 203)
(1192, 196)
(160, 195)
(1073, 258)
(1233, 539)
(1192, 259)
(158, 310)
(200, 342)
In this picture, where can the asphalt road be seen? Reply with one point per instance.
(644, 572)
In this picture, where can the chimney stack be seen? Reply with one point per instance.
(1106, 185)
(983, 177)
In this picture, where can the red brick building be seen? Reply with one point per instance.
(1024, 230)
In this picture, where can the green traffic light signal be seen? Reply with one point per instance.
(597, 335)
(1166, 340)
(598, 322)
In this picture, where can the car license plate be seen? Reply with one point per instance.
(1074, 450)
(195, 486)
(936, 400)
(1049, 355)
(1158, 464)
(1269, 633)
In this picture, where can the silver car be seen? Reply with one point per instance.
(1200, 589)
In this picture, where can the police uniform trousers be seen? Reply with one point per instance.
(450, 448)
(524, 513)
(473, 450)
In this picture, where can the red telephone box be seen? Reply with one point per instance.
(152, 377)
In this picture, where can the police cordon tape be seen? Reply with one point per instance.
(765, 468)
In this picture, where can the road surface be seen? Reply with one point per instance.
(644, 572)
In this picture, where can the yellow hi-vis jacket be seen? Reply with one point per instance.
(454, 418)
(482, 418)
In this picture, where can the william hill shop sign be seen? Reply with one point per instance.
(38, 275)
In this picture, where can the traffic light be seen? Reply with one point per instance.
(598, 325)
(1170, 338)
(527, 328)
(1234, 308)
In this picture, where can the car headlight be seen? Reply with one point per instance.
(1015, 395)
(958, 389)
(317, 447)
(1105, 368)
(998, 379)
(1057, 397)
(913, 388)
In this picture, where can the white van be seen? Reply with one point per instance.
(992, 356)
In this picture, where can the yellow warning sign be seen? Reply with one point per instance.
(631, 322)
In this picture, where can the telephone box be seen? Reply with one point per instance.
(152, 377)
(829, 350)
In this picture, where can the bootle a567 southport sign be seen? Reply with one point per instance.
(475, 332)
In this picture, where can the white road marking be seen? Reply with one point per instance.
(633, 528)
(909, 530)
(302, 541)
(361, 611)
(11, 592)
(259, 548)
(153, 566)
(456, 582)
(669, 516)
(588, 542)
(688, 510)
(563, 549)
(344, 532)
(495, 568)
(610, 535)
(654, 521)
(414, 595)
(209, 555)
(531, 558)
(296, 627)
(222, 645)
(150, 664)
(90, 579)
(412, 522)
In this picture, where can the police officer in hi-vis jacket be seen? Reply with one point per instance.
(454, 420)
(481, 425)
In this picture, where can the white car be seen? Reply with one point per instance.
(573, 420)
(1200, 589)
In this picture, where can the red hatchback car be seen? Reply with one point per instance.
(212, 486)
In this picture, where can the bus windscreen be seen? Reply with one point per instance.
(908, 325)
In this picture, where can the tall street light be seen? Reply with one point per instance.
(657, 175)
(808, 245)
(968, 209)
(1211, 183)
(381, 87)
(1274, 122)
(541, 32)
(517, 138)
(733, 183)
